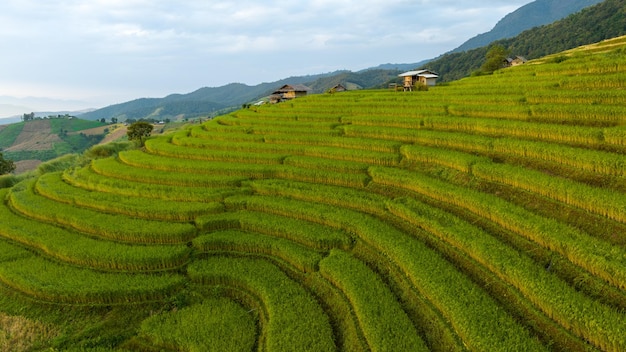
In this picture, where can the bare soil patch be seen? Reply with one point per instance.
(25, 165)
(94, 131)
(36, 135)
(115, 135)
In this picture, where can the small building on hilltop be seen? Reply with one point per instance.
(514, 61)
(288, 92)
(413, 78)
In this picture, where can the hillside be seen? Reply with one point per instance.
(534, 14)
(210, 101)
(487, 214)
(32, 142)
(202, 102)
(602, 21)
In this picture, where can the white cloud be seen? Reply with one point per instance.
(153, 47)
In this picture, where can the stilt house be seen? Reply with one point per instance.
(425, 77)
(288, 92)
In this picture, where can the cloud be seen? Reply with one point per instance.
(156, 47)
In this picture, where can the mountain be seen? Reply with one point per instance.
(13, 106)
(214, 99)
(400, 67)
(157, 108)
(11, 110)
(537, 13)
(9, 120)
(198, 103)
(372, 78)
(593, 24)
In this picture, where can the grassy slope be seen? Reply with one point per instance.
(28, 145)
(508, 187)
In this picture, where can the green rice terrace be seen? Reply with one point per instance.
(488, 214)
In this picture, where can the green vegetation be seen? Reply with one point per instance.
(139, 131)
(66, 126)
(293, 320)
(484, 214)
(6, 165)
(494, 59)
(594, 24)
(24, 200)
(47, 139)
(49, 281)
(225, 325)
(9, 134)
(385, 325)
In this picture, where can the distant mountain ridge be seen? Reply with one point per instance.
(213, 100)
(200, 102)
(14, 107)
(537, 13)
(209, 100)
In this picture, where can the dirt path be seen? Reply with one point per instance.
(36, 135)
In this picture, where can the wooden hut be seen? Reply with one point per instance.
(412, 78)
(288, 92)
(339, 88)
(514, 61)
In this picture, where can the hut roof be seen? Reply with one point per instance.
(518, 58)
(293, 88)
(421, 73)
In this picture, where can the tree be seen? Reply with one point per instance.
(139, 131)
(28, 117)
(6, 165)
(495, 59)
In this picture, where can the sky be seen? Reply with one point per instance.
(93, 53)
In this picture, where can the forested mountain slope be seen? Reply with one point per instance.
(602, 21)
(537, 13)
(485, 215)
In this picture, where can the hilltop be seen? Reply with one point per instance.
(485, 214)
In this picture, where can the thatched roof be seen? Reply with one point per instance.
(292, 88)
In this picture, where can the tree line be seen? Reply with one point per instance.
(31, 116)
(6, 166)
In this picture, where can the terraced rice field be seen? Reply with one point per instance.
(486, 214)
